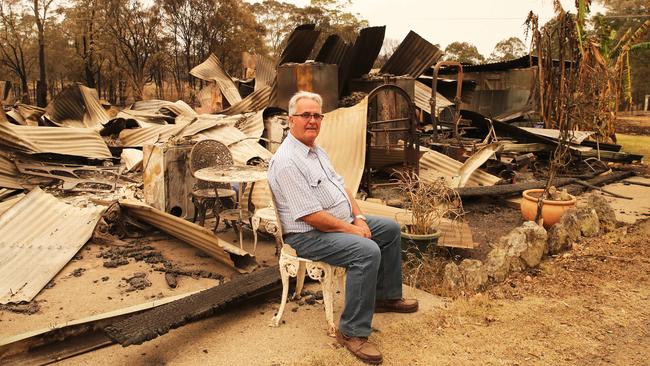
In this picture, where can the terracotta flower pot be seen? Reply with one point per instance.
(551, 211)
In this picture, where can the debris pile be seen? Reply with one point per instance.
(81, 169)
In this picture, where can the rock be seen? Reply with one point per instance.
(170, 278)
(588, 219)
(497, 265)
(137, 282)
(452, 278)
(524, 245)
(528, 279)
(562, 235)
(605, 212)
(474, 274)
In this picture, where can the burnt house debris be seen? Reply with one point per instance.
(86, 168)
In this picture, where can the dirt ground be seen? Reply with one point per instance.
(586, 307)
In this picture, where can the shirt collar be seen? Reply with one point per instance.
(302, 148)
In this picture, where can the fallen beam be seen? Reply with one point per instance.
(636, 183)
(599, 181)
(151, 324)
(71, 338)
(583, 183)
(193, 234)
(509, 189)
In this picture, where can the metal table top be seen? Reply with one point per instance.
(231, 174)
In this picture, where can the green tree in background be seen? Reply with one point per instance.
(626, 21)
(329, 16)
(508, 49)
(126, 48)
(463, 52)
(17, 45)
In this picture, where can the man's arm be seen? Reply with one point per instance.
(324, 221)
(357, 211)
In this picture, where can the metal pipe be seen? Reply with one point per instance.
(457, 99)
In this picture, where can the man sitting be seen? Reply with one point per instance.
(322, 222)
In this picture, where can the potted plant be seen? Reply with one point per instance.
(426, 202)
(554, 203)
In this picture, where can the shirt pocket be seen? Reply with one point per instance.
(322, 189)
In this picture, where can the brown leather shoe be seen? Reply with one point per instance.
(361, 348)
(396, 306)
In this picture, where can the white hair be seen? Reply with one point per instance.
(303, 95)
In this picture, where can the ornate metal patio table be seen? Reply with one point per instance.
(241, 175)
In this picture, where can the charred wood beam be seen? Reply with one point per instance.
(151, 324)
(585, 184)
(509, 189)
(599, 181)
(626, 182)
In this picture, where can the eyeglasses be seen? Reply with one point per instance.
(308, 116)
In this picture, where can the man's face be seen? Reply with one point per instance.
(305, 129)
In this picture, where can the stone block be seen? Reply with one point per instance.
(474, 274)
(605, 212)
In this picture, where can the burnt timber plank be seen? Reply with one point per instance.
(508, 189)
(149, 325)
(568, 183)
(599, 181)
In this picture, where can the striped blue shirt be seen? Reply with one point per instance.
(303, 181)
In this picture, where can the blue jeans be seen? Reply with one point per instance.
(374, 268)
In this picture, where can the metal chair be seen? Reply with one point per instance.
(291, 265)
(207, 153)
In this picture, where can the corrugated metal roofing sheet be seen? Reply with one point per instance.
(193, 234)
(211, 69)
(164, 107)
(434, 165)
(255, 101)
(8, 173)
(333, 50)
(9, 203)
(241, 148)
(143, 118)
(343, 137)
(38, 236)
(252, 126)
(412, 57)
(30, 113)
(576, 136)
(364, 53)
(264, 72)
(423, 97)
(299, 44)
(140, 136)
(57, 140)
(77, 106)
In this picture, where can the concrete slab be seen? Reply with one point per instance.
(627, 211)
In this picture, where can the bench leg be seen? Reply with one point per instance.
(284, 275)
(255, 224)
(300, 280)
(327, 282)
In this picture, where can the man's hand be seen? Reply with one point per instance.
(364, 227)
(325, 222)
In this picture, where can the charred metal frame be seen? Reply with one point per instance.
(412, 142)
(457, 98)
